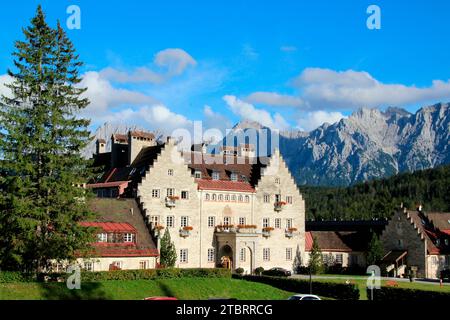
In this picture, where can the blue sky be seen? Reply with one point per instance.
(287, 64)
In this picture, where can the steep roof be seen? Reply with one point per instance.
(142, 134)
(208, 184)
(336, 241)
(123, 214)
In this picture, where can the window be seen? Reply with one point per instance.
(211, 255)
(247, 199)
(143, 264)
(277, 223)
(339, 258)
(242, 254)
(128, 237)
(288, 254)
(117, 264)
(170, 192)
(233, 197)
(170, 221)
(277, 180)
(184, 195)
(197, 174)
(277, 197)
(438, 242)
(170, 172)
(266, 223)
(88, 266)
(184, 221)
(226, 221)
(234, 176)
(155, 193)
(227, 197)
(183, 255)
(289, 199)
(207, 197)
(154, 220)
(400, 243)
(211, 221)
(266, 198)
(102, 237)
(241, 199)
(214, 197)
(215, 175)
(446, 242)
(242, 220)
(220, 197)
(288, 223)
(266, 254)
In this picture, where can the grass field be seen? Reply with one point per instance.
(361, 282)
(186, 288)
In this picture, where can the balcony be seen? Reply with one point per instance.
(278, 206)
(158, 229)
(185, 231)
(225, 228)
(171, 201)
(289, 233)
(266, 231)
(245, 228)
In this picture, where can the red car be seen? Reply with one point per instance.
(160, 298)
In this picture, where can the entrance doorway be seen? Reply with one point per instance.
(226, 257)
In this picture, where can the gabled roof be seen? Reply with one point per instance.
(110, 226)
(142, 134)
(120, 137)
(336, 241)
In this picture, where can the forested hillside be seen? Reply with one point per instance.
(378, 198)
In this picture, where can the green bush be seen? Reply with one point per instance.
(147, 274)
(259, 271)
(392, 294)
(15, 276)
(239, 271)
(326, 289)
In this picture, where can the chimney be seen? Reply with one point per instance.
(100, 146)
(138, 140)
(119, 150)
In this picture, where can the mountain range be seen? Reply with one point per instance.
(369, 144)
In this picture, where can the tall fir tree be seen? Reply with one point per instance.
(167, 252)
(375, 250)
(41, 164)
(315, 263)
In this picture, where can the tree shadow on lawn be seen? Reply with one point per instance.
(165, 289)
(88, 291)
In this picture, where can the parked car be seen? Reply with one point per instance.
(297, 297)
(160, 298)
(277, 272)
(445, 274)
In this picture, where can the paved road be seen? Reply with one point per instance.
(425, 281)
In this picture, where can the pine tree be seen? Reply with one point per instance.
(315, 258)
(41, 164)
(167, 252)
(375, 250)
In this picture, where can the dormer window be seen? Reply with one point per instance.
(102, 237)
(197, 174)
(170, 172)
(234, 176)
(277, 180)
(128, 237)
(215, 175)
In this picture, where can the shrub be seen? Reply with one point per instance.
(15, 276)
(147, 274)
(239, 271)
(395, 293)
(327, 289)
(259, 271)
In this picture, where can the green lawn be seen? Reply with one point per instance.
(186, 288)
(361, 282)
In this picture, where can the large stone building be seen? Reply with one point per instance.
(230, 209)
(418, 242)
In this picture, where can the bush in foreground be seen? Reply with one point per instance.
(392, 294)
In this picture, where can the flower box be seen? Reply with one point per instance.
(225, 228)
(186, 231)
(266, 231)
(171, 202)
(278, 206)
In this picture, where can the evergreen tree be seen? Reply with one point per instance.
(167, 252)
(375, 250)
(315, 258)
(41, 165)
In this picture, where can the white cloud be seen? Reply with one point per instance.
(103, 96)
(329, 89)
(274, 99)
(314, 119)
(247, 111)
(249, 52)
(5, 79)
(173, 62)
(288, 48)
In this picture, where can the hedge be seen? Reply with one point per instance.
(393, 293)
(145, 274)
(15, 276)
(338, 291)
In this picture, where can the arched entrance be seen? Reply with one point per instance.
(226, 257)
